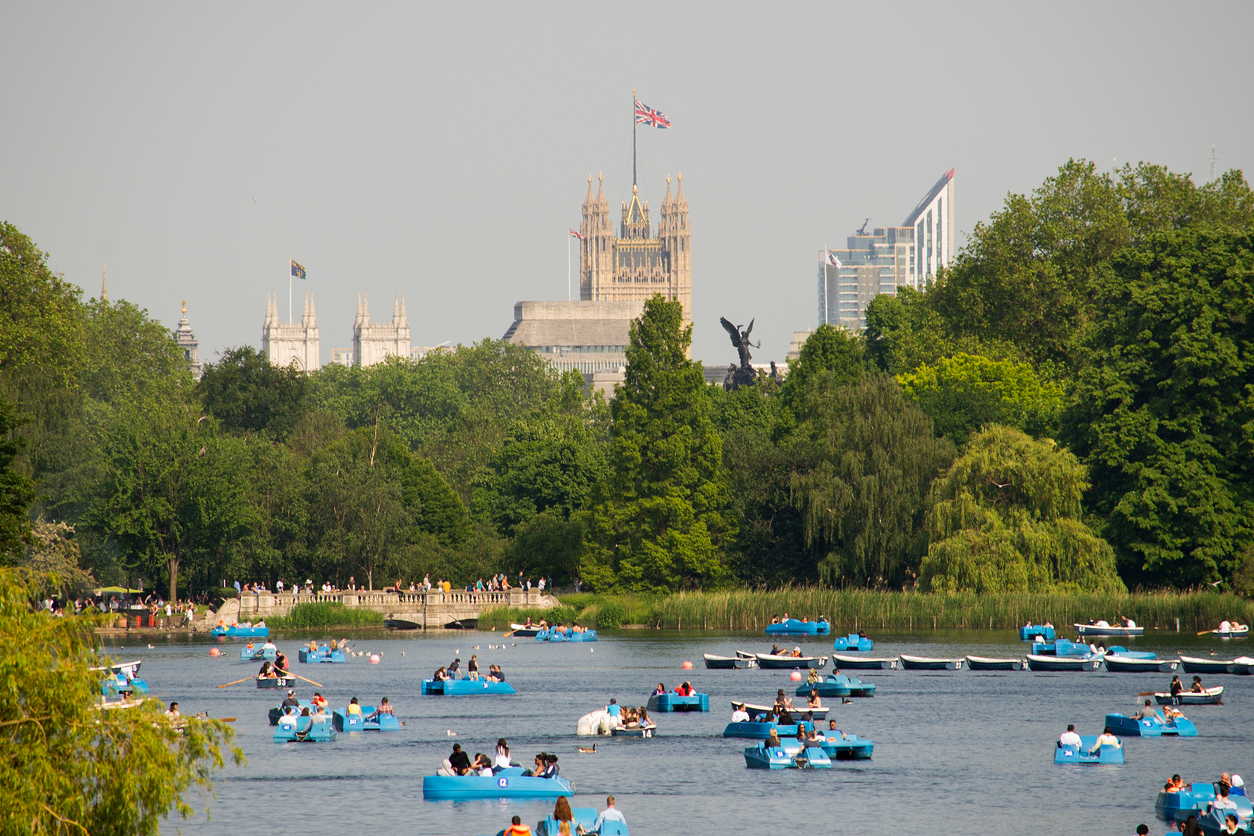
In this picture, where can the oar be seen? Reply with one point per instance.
(310, 681)
(1203, 632)
(236, 682)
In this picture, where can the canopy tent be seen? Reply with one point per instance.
(116, 590)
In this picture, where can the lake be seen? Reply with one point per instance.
(955, 752)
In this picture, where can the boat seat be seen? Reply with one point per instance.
(1203, 790)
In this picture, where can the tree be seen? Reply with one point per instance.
(829, 349)
(862, 458)
(39, 313)
(657, 520)
(69, 768)
(965, 392)
(247, 393)
(1164, 408)
(54, 553)
(16, 491)
(1006, 517)
(434, 506)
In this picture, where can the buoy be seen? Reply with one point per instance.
(213, 651)
(687, 666)
(795, 676)
(374, 660)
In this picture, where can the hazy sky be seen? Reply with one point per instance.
(442, 150)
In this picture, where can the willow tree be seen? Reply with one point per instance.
(1006, 517)
(657, 521)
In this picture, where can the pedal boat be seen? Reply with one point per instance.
(1034, 631)
(346, 722)
(304, 730)
(838, 685)
(853, 643)
(508, 783)
(465, 687)
(761, 757)
(1124, 726)
(672, 702)
(1083, 755)
(797, 627)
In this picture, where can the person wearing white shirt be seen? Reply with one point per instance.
(739, 715)
(610, 813)
(1069, 737)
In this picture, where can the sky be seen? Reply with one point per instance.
(442, 150)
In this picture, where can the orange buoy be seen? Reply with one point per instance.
(687, 666)
(213, 651)
(375, 659)
(795, 676)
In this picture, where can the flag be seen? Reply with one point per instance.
(575, 234)
(833, 260)
(646, 115)
(298, 270)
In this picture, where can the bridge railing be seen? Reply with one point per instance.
(278, 603)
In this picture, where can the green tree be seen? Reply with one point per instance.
(862, 458)
(69, 768)
(434, 506)
(965, 392)
(1164, 410)
(16, 491)
(39, 313)
(657, 520)
(246, 393)
(1006, 517)
(828, 349)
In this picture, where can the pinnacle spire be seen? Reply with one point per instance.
(104, 270)
(396, 308)
(404, 316)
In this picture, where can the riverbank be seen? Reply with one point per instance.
(851, 610)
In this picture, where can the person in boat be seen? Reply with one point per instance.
(482, 766)
(775, 651)
(501, 759)
(1176, 686)
(775, 619)
(684, 690)
(319, 700)
(1222, 800)
(354, 707)
(739, 715)
(1069, 737)
(1170, 714)
(527, 623)
(772, 739)
(784, 618)
(831, 726)
(610, 813)
(455, 669)
(517, 828)
(782, 700)
(1225, 626)
(1106, 738)
(863, 635)
(173, 713)
(1147, 712)
(801, 734)
(814, 701)
(441, 675)
(814, 736)
(459, 760)
(1196, 687)
(320, 712)
(313, 646)
(813, 676)
(1230, 825)
(805, 620)
(615, 711)
(1238, 786)
(268, 646)
(659, 690)
(267, 671)
(796, 652)
(551, 769)
(290, 699)
(643, 719)
(280, 664)
(564, 817)
(1176, 783)
(385, 708)
(472, 667)
(630, 719)
(785, 719)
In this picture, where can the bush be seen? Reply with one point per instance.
(610, 615)
(321, 615)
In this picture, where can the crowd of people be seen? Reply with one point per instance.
(1226, 788)
(472, 672)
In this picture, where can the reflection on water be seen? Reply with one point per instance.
(955, 752)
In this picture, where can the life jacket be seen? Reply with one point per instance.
(517, 830)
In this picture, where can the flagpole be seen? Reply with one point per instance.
(633, 137)
(568, 237)
(289, 288)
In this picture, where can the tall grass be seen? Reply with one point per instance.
(863, 610)
(325, 614)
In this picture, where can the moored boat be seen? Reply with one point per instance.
(854, 643)
(1063, 663)
(1125, 726)
(798, 627)
(984, 663)
(1120, 650)
(753, 730)
(508, 783)
(1243, 665)
(465, 687)
(304, 730)
(863, 663)
(523, 631)
(1104, 629)
(1085, 755)
(837, 685)
(343, 721)
(240, 631)
(1194, 665)
(718, 663)
(1207, 696)
(672, 702)
(764, 757)
(928, 663)
(1118, 663)
(275, 681)
(1032, 632)
(786, 663)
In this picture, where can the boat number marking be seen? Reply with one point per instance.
(502, 782)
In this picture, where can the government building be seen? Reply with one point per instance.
(296, 343)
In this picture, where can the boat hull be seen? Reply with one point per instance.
(797, 627)
(838, 685)
(926, 663)
(676, 703)
(983, 663)
(345, 722)
(1054, 663)
(258, 654)
(762, 757)
(1072, 755)
(1192, 665)
(1231, 634)
(401, 624)
(837, 746)
(863, 663)
(786, 663)
(238, 632)
(1027, 634)
(1210, 696)
(1121, 664)
(322, 655)
(465, 688)
(508, 783)
(725, 663)
(275, 681)
(1150, 727)
(761, 731)
(1094, 630)
(644, 733)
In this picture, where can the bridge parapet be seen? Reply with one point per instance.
(434, 608)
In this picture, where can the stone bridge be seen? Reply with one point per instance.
(456, 609)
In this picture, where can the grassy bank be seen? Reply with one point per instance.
(860, 610)
(324, 615)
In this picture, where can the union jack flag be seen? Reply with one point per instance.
(646, 115)
(574, 234)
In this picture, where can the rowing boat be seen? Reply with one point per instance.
(785, 663)
(727, 663)
(1194, 665)
(1063, 663)
(984, 663)
(759, 710)
(927, 663)
(1107, 630)
(863, 663)
(1118, 663)
(1207, 696)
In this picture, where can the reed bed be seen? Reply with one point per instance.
(851, 610)
(323, 615)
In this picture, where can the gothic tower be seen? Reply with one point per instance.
(373, 342)
(184, 336)
(291, 343)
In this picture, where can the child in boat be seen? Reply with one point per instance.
(354, 707)
(517, 828)
(319, 701)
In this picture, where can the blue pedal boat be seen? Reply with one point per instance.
(237, 631)
(761, 731)
(466, 687)
(556, 634)
(838, 685)
(837, 746)
(257, 654)
(117, 685)
(278, 711)
(1150, 726)
(1212, 823)
(1193, 801)
(1061, 647)
(508, 783)
(304, 730)
(673, 702)
(1033, 631)
(853, 643)
(1070, 754)
(585, 817)
(762, 757)
(322, 654)
(345, 722)
(797, 627)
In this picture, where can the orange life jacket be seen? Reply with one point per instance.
(517, 830)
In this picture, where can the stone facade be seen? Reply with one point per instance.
(374, 342)
(291, 343)
(588, 337)
(184, 336)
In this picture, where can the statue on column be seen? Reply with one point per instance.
(744, 374)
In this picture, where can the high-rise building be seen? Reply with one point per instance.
(184, 336)
(890, 257)
(291, 343)
(633, 265)
(373, 342)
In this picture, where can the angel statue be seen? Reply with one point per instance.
(744, 375)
